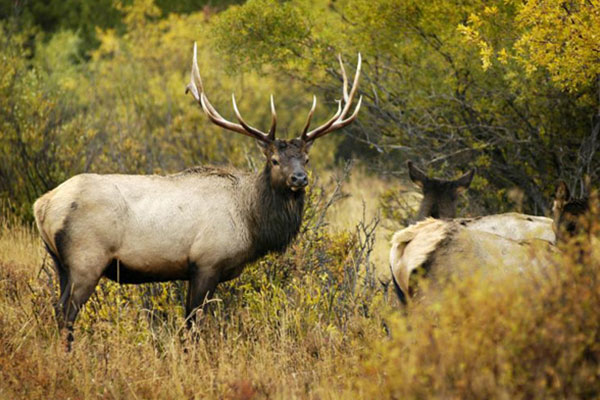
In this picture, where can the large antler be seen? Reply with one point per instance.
(216, 118)
(339, 120)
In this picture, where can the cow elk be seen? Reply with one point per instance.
(439, 196)
(445, 249)
(202, 225)
(441, 248)
(439, 201)
(568, 212)
(432, 246)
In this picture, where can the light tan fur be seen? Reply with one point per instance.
(450, 247)
(513, 226)
(40, 209)
(153, 224)
(412, 246)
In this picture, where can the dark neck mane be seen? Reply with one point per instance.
(275, 216)
(576, 206)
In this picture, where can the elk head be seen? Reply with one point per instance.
(286, 159)
(567, 212)
(439, 196)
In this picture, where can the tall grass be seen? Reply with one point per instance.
(289, 321)
(521, 336)
(307, 324)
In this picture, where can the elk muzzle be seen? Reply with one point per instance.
(298, 180)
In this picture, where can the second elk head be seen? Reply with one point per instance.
(439, 196)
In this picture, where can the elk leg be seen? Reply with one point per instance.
(85, 269)
(63, 280)
(200, 289)
(61, 306)
(78, 292)
(64, 283)
(63, 274)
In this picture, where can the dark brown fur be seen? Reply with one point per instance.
(277, 222)
(439, 196)
(568, 212)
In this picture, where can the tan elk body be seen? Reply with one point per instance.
(441, 249)
(156, 225)
(444, 248)
(202, 225)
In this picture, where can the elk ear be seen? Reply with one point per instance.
(464, 181)
(561, 196)
(308, 145)
(264, 147)
(416, 175)
(562, 193)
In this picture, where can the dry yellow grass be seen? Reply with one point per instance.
(299, 326)
(363, 203)
(269, 341)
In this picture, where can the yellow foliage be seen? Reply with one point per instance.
(561, 37)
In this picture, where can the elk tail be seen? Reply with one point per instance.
(399, 291)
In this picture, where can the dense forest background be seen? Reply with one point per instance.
(509, 87)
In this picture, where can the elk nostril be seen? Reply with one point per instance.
(299, 178)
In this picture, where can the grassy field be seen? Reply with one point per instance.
(312, 323)
(361, 203)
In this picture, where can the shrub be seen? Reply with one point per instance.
(511, 338)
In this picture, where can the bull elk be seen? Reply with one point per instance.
(202, 225)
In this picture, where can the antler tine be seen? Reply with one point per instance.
(273, 120)
(312, 135)
(252, 130)
(200, 96)
(344, 77)
(339, 120)
(310, 114)
(213, 114)
(354, 87)
(341, 123)
(195, 74)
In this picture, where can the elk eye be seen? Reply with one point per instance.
(274, 161)
(306, 161)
